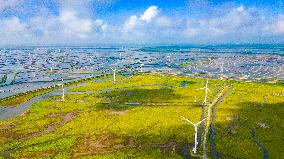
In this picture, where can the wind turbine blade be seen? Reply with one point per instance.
(208, 90)
(201, 121)
(187, 120)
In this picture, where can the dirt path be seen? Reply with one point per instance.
(212, 127)
(216, 101)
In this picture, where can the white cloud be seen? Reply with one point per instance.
(75, 25)
(13, 30)
(13, 27)
(99, 22)
(130, 23)
(164, 21)
(235, 24)
(280, 24)
(100, 25)
(5, 4)
(240, 9)
(133, 21)
(71, 25)
(276, 27)
(149, 14)
(46, 28)
(191, 32)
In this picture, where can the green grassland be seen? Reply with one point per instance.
(18, 99)
(23, 97)
(251, 107)
(97, 120)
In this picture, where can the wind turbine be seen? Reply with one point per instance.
(120, 55)
(141, 67)
(221, 71)
(51, 69)
(169, 58)
(63, 91)
(206, 91)
(114, 71)
(195, 128)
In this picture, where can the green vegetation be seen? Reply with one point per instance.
(4, 79)
(23, 97)
(251, 106)
(97, 121)
(14, 77)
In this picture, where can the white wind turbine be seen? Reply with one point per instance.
(221, 71)
(195, 128)
(63, 91)
(114, 71)
(120, 55)
(51, 69)
(206, 91)
(169, 58)
(141, 67)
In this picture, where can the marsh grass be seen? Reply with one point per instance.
(103, 125)
(242, 111)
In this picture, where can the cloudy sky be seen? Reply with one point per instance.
(74, 22)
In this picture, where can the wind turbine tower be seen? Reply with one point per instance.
(141, 67)
(195, 128)
(221, 71)
(206, 91)
(120, 56)
(63, 91)
(114, 72)
(51, 69)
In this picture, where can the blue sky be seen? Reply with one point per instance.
(67, 22)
